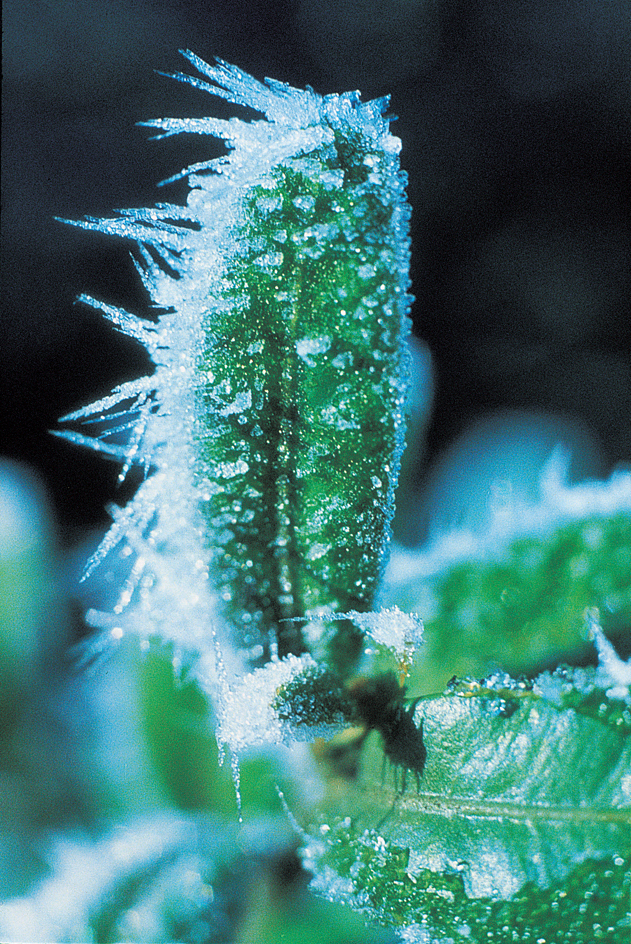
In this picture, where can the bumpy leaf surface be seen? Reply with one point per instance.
(272, 428)
(301, 415)
(518, 599)
(523, 790)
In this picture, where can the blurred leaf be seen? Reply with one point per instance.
(179, 728)
(32, 610)
(520, 606)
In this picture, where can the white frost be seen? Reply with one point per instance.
(157, 543)
(401, 632)
(242, 401)
(416, 934)
(85, 872)
(613, 673)
(307, 347)
(246, 715)
(559, 504)
(158, 552)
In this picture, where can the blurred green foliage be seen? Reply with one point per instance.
(522, 608)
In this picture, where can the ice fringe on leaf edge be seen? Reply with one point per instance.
(559, 504)
(149, 421)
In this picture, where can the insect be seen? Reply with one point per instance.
(380, 705)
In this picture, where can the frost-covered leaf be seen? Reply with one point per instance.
(272, 427)
(300, 418)
(523, 785)
(515, 596)
(591, 904)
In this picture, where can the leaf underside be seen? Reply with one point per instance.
(519, 796)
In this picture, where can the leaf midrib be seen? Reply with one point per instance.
(426, 802)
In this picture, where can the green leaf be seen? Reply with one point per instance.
(178, 725)
(590, 905)
(301, 417)
(524, 788)
(520, 604)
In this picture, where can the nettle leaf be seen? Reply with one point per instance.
(515, 595)
(590, 904)
(272, 427)
(524, 789)
(300, 424)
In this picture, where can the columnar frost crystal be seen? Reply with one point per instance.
(274, 419)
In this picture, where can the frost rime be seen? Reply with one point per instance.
(183, 551)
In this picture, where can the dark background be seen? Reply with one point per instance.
(516, 125)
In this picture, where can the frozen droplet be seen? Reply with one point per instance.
(316, 551)
(242, 401)
(227, 470)
(307, 347)
(268, 204)
(269, 261)
(366, 271)
(343, 360)
(332, 179)
(304, 202)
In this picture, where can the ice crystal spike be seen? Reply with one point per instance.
(273, 424)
